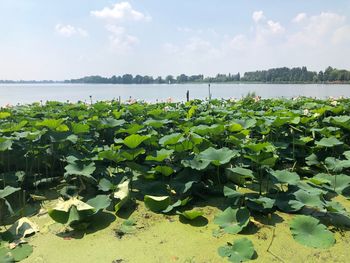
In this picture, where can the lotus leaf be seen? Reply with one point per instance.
(217, 156)
(134, 140)
(191, 214)
(232, 220)
(309, 232)
(285, 177)
(328, 142)
(156, 203)
(240, 251)
(160, 155)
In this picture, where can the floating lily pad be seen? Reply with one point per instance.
(309, 232)
(191, 214)
(232, 220)
(241, 250)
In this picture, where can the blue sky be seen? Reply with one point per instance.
(64, 39)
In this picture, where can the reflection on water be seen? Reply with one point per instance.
(28, 93)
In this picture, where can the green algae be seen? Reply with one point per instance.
(163, 238)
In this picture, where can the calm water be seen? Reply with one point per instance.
(28, 93)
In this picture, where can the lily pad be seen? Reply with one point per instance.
(308, 231)
(191, 214)
(232, 220)
(241, 250)
(156, 203)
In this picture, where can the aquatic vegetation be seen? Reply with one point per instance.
(262, 156)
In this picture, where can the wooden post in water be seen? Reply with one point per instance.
(188, 95)
(209, 91)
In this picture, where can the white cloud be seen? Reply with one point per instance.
(121, 12)
(275, 27)
(120, 40)
(69, 30)
(317, 30)
(239, 42)
(258, 16)
(299, 18)
(341, 35)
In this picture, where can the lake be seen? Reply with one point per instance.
(28, 93)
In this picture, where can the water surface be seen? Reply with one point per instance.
(28, 93)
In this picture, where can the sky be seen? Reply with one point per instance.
(64, 39)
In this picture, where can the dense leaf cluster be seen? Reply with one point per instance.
(287, 155)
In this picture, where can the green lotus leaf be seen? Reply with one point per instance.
(4, 114)
(170, 139)
(335, 207)
(261, 204)
(5, 255)
(196, 164)
(263, 158)
(156, 123)
(80, 128)
(238, 175)
(347, 154)
(13, 127)
(310, 199)
(5, 144)
(99, 202)
(21, 252)
(217, 156)
(111, 155)
(131, 154)
(111, 123)
(240, 251)
(234, 127)
(160, 156)
(328, 142)
(163, 169)
(231, 193)
(285, 177)
(336, 165)
(191, 214)
(312, 160)
(71, 211)
(232, 220)
(134, 140)
(132, 128)
(287, 203)
(308, 231)
(80, 169)
(338, 182)
(8, 190)
(52, 124)
(258, 147)
(156, 203)
(105, 185)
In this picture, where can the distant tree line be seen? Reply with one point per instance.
(138, 79)
(297, 75)
(275, 75)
